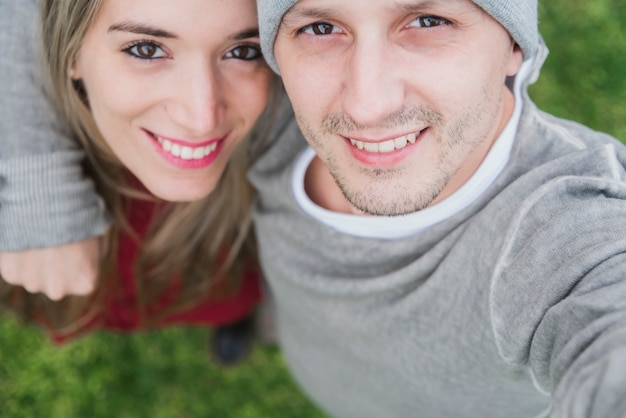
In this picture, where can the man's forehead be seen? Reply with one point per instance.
(314, 8)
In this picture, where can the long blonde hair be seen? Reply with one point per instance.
(207, 243)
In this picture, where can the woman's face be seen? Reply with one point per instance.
(174, 87)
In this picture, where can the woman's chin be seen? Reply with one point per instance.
(180, 191)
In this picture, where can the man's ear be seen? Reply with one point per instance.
(515, 60)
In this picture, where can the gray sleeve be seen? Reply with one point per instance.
(560, 300)
(45, 199)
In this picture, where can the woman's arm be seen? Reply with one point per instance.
(45, 199)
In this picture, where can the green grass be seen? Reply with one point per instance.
(584, 77)
(157, 374)
(168, 373)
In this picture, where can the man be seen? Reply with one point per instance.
(443, 248)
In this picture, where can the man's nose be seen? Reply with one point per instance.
(373, 88)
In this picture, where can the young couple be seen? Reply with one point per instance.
(434, 244)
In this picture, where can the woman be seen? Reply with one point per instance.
(161, 98)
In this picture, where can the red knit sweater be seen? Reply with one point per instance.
(121, 311)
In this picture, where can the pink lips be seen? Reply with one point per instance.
(211, 150)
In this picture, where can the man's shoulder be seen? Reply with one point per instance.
(566, 135)
(560, 164)
(561, 216)
(550, 146)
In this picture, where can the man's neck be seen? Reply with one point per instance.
(322, 189)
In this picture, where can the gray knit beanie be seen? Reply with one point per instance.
(519, 17)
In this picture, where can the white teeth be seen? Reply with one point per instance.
(371, 147)
(385, 146)
(198, 153)
(400, 143)
(186, 152)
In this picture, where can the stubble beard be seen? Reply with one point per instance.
(384, 192)
(392, 191)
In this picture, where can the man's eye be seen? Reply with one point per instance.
(320, 28)
(428, 21)
(145, 50)
(245, 52)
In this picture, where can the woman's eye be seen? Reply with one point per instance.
(319, 28)
(429, 21)
(145, 50)
(245, 52)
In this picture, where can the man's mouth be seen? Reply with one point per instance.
(390, 145)
(185, 152)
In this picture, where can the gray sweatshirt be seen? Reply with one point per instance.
(514, 307)
(45, 199)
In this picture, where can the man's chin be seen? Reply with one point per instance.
(385, 204)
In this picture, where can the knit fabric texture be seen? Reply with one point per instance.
(519, 18)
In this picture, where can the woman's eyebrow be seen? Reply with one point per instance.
(245, 34)
(144, 29)
(141, 29)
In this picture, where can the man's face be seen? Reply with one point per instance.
(401, 99)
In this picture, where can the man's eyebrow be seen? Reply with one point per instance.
(299, 12)
(306, 12)
(418, 5)
(141, 29)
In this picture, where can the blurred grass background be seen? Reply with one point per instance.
(584, 77)
(168, 373)
(160, 374)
